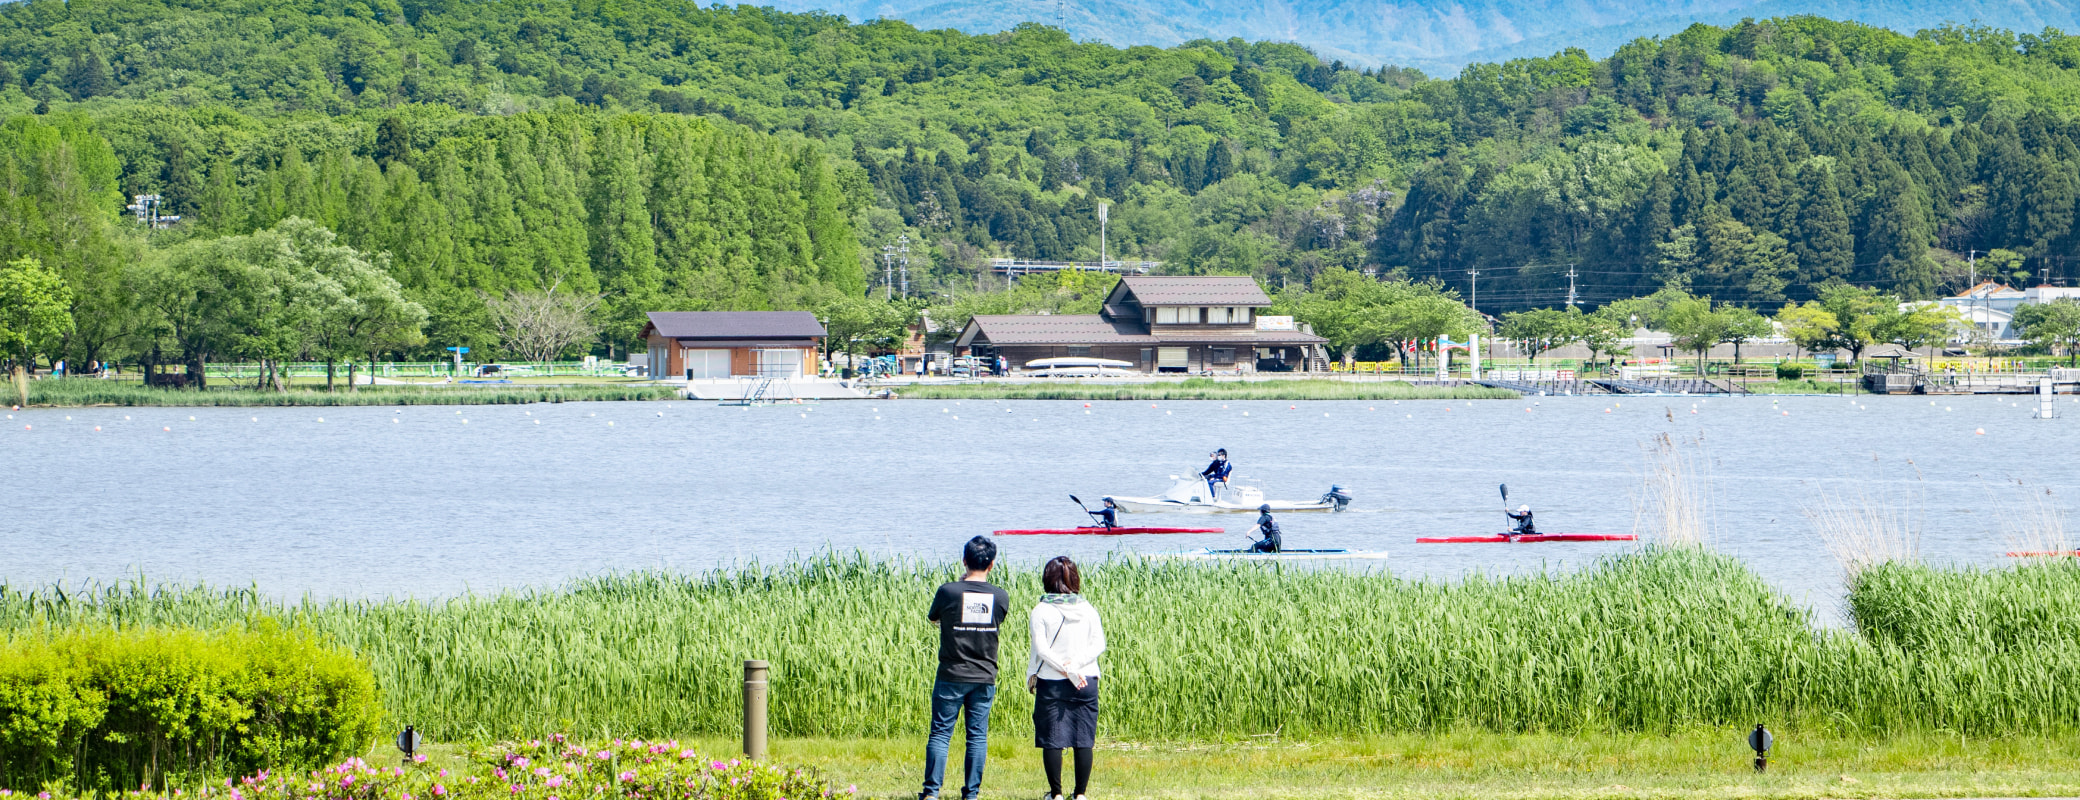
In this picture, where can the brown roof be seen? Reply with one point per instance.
(1019, 329)
(1091, 329)
(734, 325)
(1196, 290)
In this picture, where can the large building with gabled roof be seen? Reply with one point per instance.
(1187, 324)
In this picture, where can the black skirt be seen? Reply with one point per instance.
(1065, 716)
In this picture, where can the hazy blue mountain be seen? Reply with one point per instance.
(1437, 35)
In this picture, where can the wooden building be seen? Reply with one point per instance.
(729, 344)
(1159, 324)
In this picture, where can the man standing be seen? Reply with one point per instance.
(968, 612)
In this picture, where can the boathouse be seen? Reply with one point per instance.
(1190, 324)
(695, 345)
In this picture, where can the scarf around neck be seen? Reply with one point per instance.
(1066, 599)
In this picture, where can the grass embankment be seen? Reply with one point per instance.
(1206, 389)
(1658, 641)
(91, 392)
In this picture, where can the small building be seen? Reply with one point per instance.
(1158, 324)
(694, 345)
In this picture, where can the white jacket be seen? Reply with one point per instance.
(1067, 638)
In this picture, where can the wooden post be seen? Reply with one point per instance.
(755, 673)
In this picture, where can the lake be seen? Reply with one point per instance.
(433, 501)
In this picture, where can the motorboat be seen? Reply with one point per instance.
(1189, 495)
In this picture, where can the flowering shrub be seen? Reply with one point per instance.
(555, 769)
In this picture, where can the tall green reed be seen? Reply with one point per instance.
(1656, 640)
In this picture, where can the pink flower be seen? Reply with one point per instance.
(555, 781)
(408, 796)
(419, 759)
(603, 755)
(541, 772)
(520, 761)
(500, 773)
(627, 777)
(444, 773)
(556, 737)
(439, 790)
(686, 754)
(346, 780)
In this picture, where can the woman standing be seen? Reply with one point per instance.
(1063, 674)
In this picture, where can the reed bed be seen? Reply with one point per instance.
(92, 392)
(1674, 506)
(1207, 389)
(1657, 640)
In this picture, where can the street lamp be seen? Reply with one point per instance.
(1759, 740)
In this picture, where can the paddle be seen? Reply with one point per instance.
(1505, 503)
(1087, 510)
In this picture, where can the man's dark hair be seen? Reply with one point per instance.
(979, 554)
(1060, 577)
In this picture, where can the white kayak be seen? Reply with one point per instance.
(1190, 496)
(1283, 555)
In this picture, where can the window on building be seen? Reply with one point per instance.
(1079, 350)
(1221, 356)
(1217, 315)
(1167, 315)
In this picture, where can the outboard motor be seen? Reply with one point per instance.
(1337, 495)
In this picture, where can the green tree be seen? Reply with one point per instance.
(1744, 325)
(1692, 322)
(2052, 326)
(35, 311)
(1843, 318)
(1539, 330)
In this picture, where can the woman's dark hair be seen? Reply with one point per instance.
(979, 554)
(1060, 577)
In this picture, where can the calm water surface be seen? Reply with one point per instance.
(425, 501)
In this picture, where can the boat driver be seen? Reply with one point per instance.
(1268, 527)
(1217, 473)
(1522, 516)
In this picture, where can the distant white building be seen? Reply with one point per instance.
(1990, 307)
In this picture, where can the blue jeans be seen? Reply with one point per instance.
(948, 699)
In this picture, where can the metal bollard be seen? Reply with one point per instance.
(755, 709)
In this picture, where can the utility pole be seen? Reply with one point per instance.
(1475, 303)
(1971, 259)
(888, 272)
(903, 258)
(1570, 285)
(1103, 208)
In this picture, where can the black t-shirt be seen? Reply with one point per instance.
(968, 613)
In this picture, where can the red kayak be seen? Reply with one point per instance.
(1543, 537)
(1098, 531)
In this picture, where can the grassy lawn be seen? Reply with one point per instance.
(1696, 764)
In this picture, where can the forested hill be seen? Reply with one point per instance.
(1430, 34)
(499, 143)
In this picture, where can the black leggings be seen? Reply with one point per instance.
(1051, 758)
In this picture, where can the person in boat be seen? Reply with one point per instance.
(1109, 515)
(1522, 517)
(1216, 473)
(1268, 528)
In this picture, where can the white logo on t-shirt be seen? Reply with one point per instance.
(978, 608)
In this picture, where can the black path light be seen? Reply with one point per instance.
(1759, 740)
(408, 741)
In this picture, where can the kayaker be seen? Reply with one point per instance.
(1522, 516)
(1268, 528)
(1217, 472)
(1109, 515)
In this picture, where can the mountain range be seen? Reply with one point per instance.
(1439, 36)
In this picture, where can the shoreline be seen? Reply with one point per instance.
(1204, 389)
(84, 393)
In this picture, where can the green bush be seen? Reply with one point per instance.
(97, 707)
(1793, 370)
